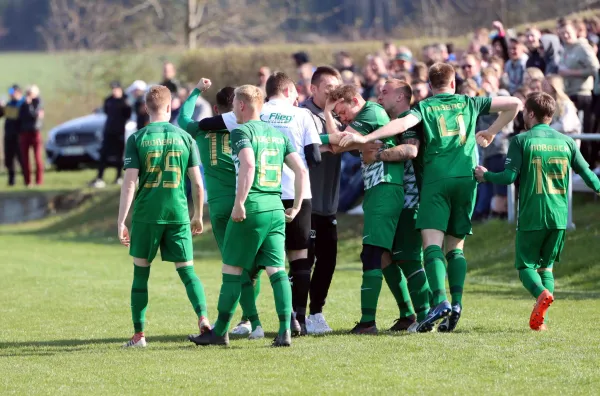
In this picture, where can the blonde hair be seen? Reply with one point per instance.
(533, 73)
(158, 98)
(251, 95)
(347, 92)
(558, 93)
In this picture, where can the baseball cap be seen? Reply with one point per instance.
(138, 85)
(115, 84)
(404, 56)
(14, 88)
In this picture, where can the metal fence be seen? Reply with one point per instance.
(513, 205)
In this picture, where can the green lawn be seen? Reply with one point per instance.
(64, 287)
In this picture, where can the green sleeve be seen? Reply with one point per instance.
(508, 176)
(369, 119)
(185, 120)
(132, 160)
(581, 167)
(416, 111)
(289, 147)
(194, 159)
(324, 139)
(514, 158)
(482, 104)
(240, 139)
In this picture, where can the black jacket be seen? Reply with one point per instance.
(118, 113)
(11, 112)
(536, 60)
(29, 116)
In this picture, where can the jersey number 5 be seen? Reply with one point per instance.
(268, 175)
(226, 149)
(553, 169)
(152, 167)
(459, 130)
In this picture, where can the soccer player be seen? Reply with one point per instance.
(543, 158)
(255, 234)
(159, 154)
(325, 188)
(297, 124)
(449, 188)
(406, 273)
(219, 171)
(384, 196)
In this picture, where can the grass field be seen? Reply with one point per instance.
(64, 292)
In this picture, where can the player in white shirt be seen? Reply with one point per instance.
(299, 126)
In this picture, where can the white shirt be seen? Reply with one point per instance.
(298, 125)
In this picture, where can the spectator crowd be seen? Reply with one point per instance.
(563, 62)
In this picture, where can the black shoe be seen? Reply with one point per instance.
(209, 338)
(450, 322)
(303, 331)
(283, 340)
(402, 324)
(295, 327)
(369, 328)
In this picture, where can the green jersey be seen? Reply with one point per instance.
(162, 153)
(543, 157)
(270, 148)
(215, 152)
(412, 168)
(449, 134)
(370, 118)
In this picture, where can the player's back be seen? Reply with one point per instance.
(544, 178)
(219, 170)
(270, 148)
(298, 126)
(163, 153)
(449, 122)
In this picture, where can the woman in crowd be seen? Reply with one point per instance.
(565, 118)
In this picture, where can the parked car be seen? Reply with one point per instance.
(77, 143)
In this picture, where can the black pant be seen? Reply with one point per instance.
(589, 149)
(111, 146)
(12, 152)
(323, 249)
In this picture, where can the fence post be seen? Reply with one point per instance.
(510, 194)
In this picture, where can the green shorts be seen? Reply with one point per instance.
(382, 206)
(538, 249)
(258, 241)
(447, 205)
(408, 244)
(174, 240)
(220, 213)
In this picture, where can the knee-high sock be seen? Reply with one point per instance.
(228, 300)
(139, 297)
(397, 284)
(548, 282)
(282, 292)
(435, 269)
(248, 300)
(300, 282)
(418, 287)
(194, 289)
(369, 294)
(457, 273)
(532, 281)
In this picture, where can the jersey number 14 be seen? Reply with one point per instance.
(459, 130)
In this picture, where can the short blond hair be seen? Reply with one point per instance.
(250, 95)
(158, 98)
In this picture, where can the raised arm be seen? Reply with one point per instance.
(185, 120)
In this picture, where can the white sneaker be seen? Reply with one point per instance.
(316, 324)
(137, 341)
(257, 334)
(412, 329)
(119, 181)
(242, 328)
(98, 183)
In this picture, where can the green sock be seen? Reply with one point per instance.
(282, 291)
(228, 300)
(369, 294)
(457, 272)
(397, 284)
(547, 280)
(194, 289)
(139, 297)
(417, 286)
(532, 281)
(436, 273)
(248, 300)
